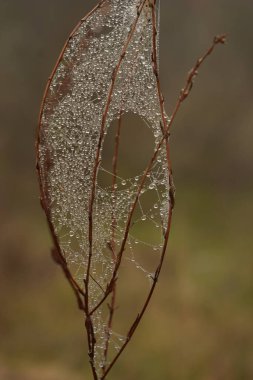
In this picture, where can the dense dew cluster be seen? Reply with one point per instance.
(69, 134)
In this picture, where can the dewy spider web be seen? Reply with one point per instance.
(107, 70)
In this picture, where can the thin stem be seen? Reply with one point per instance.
(57, 252)
(185, 92)
(112, 243)
(170, 205)
(140, 315)
(95, 171)
(111, 306)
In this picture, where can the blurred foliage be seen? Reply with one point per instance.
(199, 324)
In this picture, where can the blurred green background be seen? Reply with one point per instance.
(199, 324)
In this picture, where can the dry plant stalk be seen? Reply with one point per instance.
(107, 69)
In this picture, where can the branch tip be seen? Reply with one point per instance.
(220, 39)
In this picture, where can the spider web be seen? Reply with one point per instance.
(69, 134)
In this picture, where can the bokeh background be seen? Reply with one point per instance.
(199, 324)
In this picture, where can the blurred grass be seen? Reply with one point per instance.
(199, 324)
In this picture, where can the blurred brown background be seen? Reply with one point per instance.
(199, 325)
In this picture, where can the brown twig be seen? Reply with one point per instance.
(111, 305)
(97, 162)
(171, 204)
(57, 252)
(183, 95)
(220, 39)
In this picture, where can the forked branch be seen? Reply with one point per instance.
(183, 95)
(83, 295)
